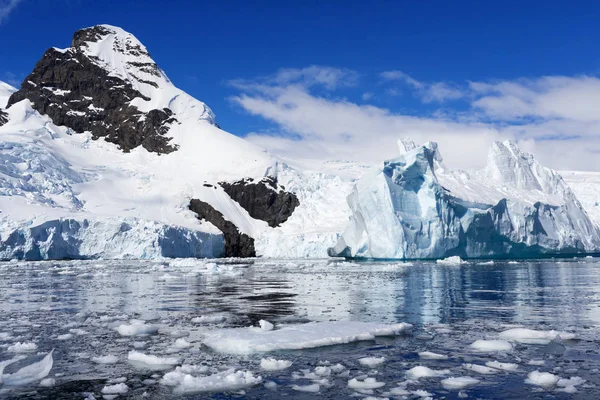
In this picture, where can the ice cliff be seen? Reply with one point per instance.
(414, 207)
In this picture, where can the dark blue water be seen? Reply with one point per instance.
(449, 306)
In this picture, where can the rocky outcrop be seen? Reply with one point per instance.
(263, 200)
(73, 89)
(237, 244)
(3, 117)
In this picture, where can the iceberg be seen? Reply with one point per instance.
(413, 207)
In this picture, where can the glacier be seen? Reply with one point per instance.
(413, 207)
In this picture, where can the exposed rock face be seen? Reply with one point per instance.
(237, 244)
(3, 117)
(73, 89)
(263, 200)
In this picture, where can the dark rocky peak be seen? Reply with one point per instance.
(107, 84)
(265, 199)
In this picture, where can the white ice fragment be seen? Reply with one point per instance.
(371, 362)
(181, 343)
(30, 373)
(48, 382)
(458, 383)
(502, 366)
(428, 355)
(480, 369)
(536, 362)
(491, 345)
(208, 319)
(66, 336)
(22, 347)
(271, 364)
(367, 383)
(136, 328)
(220, 382)
(454, 260)
(314, 388)
(425, 372)
(151, 361)
(293, 337)
(108, 359)
(119, 388)
(530, 336)
(265, 325)
(542, 379)
(271, 385)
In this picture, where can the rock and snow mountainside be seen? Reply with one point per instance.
(101, 156)
(413, 207)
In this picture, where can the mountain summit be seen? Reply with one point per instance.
(107, 83)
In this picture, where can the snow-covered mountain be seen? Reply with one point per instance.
(102, 156)
(414, 207)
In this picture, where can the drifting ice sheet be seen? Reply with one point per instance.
(294, 337)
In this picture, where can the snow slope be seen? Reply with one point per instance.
(50, 177)
(415, 207)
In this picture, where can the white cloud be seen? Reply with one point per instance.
(561, 135)
(428, 92)
(6, 7)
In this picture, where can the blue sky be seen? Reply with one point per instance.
(301, 77)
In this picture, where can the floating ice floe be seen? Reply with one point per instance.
(454, 260)
(491, 345)
(480, 369)
(425, 372)
(530, 336)
(542, 379)
(314, 388)
(428, 355)
(371, 361)
(367, 383)
(186, 383)
(119, 388)
(568, 385)
(181, 343)
(294, 337)
(152, 362)
(502, 366)
(136, 328)
(28, 374)
(22, 347)
(108, 359)
(48, 382)
(458, 383)
(208, 319)
(271, 364)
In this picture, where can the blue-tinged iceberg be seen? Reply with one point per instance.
(413, 207)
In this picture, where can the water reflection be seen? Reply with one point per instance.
(561, 292)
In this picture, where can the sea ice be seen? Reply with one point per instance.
(30, 373)
(367, 383)
(223, 381)
(542, 379)
(371, 361)
(294, 337)
(314, 388)
(48, 382)
(22, 347)
(108, 359)
(491, 345)
(119, 388)
(271, 364)
(457, 383)
(502, 366)
(480, 369)
(530, 336)
(432, 356)
(454, 260)
(136, 328)
(425, 372)
(151, 361)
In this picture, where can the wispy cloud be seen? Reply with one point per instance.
(6, 7)
(428, 91)
(555, 118)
